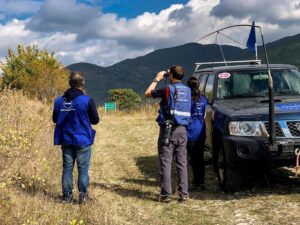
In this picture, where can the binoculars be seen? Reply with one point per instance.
(167, 132)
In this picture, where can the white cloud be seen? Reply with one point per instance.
(12, 34)
(282, 12)
(77, 32)
(18, 7)
(65, 46)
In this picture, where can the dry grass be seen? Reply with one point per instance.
(124, 177)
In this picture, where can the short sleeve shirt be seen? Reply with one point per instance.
(162, 93)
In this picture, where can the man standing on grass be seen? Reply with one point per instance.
(73, 114)
(174, 116)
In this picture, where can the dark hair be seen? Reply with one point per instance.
(193, 84)
(177, 71)
(76, 79)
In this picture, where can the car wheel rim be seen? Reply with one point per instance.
(221, 166)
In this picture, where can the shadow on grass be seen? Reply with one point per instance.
(145, 181)
(149, 168)
(277, 182)
(126, 191)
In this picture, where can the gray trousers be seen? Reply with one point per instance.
(175, 150)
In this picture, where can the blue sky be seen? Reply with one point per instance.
(133, 8)
(105, 32)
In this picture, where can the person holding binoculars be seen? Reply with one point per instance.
(173, 118)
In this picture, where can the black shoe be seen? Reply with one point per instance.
(83, 197)
(165, 199)
(67, 198)
(183, 199)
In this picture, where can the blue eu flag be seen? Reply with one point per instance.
(251, 43)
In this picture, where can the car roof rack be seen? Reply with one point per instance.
(254, 61)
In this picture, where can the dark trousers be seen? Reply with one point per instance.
(196, 159)
(175, 150)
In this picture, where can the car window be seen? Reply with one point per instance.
(197, 75)
(202, 82)
(255, 83)
(286, 80)
(209, 87)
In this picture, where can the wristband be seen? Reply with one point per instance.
(156, 81)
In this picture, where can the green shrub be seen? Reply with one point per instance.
(125, 98)
(34, 71)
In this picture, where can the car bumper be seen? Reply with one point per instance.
(254, 151)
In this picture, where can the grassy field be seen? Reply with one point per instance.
(124, 182)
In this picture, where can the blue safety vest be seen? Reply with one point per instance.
(178, 108)
(196, 128)
(73, 125)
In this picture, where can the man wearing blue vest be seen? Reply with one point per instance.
(73, 114)
(174, 116)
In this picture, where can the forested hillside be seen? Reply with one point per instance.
(137, 73)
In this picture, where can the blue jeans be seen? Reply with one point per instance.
(82, 155)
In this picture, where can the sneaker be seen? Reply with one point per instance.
(83, 197)
(67, 198)
(165, 199)
(183, 199)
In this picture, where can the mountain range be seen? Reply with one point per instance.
(137, 73)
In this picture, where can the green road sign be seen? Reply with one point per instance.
(110, 106)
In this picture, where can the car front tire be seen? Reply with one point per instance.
(229, 179)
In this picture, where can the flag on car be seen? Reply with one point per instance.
(251, 43)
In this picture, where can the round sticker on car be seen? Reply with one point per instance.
(224, 75)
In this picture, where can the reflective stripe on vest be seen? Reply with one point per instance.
(175, 112)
